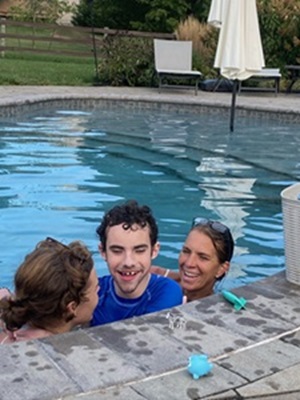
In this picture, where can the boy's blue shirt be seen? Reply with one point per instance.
(161, 293)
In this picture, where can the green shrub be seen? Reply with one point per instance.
(125, 61)
(280, 31)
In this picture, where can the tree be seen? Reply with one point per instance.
(114, 14)
(161, 15)
(45, 10)
(280, 31)
(145, 15)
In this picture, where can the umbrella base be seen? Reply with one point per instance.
(217, 85)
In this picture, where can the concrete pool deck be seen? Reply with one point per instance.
(255, 352)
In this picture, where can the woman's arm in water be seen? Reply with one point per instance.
(165, 272)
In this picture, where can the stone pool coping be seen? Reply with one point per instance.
(255, 352)
(20, 99)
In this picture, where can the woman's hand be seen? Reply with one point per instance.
(4, 292)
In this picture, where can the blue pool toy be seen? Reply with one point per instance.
(199, 365)
(238, 302)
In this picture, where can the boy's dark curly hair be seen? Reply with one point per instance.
(128, 214)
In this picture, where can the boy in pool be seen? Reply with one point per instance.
(128, 237)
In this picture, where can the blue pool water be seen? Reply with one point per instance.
(60, 170)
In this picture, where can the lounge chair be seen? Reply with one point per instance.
(173, 60)
(272, 74)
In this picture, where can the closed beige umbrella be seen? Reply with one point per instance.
(217, 12)
(239, 52)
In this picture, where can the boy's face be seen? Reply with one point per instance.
(129, 256)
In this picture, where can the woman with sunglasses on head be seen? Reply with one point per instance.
(204, 258)
(56, 289)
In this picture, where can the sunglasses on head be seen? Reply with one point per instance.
(54, 241)
(217, 227)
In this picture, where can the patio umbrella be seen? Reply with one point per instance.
(217, 12)
(239, 52)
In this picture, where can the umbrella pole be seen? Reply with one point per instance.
(233, 99)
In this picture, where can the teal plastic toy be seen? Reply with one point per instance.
(238, 302)
(199, 365)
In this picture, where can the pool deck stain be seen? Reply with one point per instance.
(255, 352)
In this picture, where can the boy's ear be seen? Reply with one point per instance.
(155, 250)
(101, 251)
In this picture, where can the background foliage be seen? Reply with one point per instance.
(143, 15)
(40, 10)
(126, 61)
(129, 61)
(280, 31)
(279, 24)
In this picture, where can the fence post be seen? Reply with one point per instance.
(91, 3)
(3, 30)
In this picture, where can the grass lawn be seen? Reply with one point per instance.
(46, 72)
(22, 66)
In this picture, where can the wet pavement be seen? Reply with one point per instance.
(254, 352)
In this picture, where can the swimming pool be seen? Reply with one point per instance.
(61, 169)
